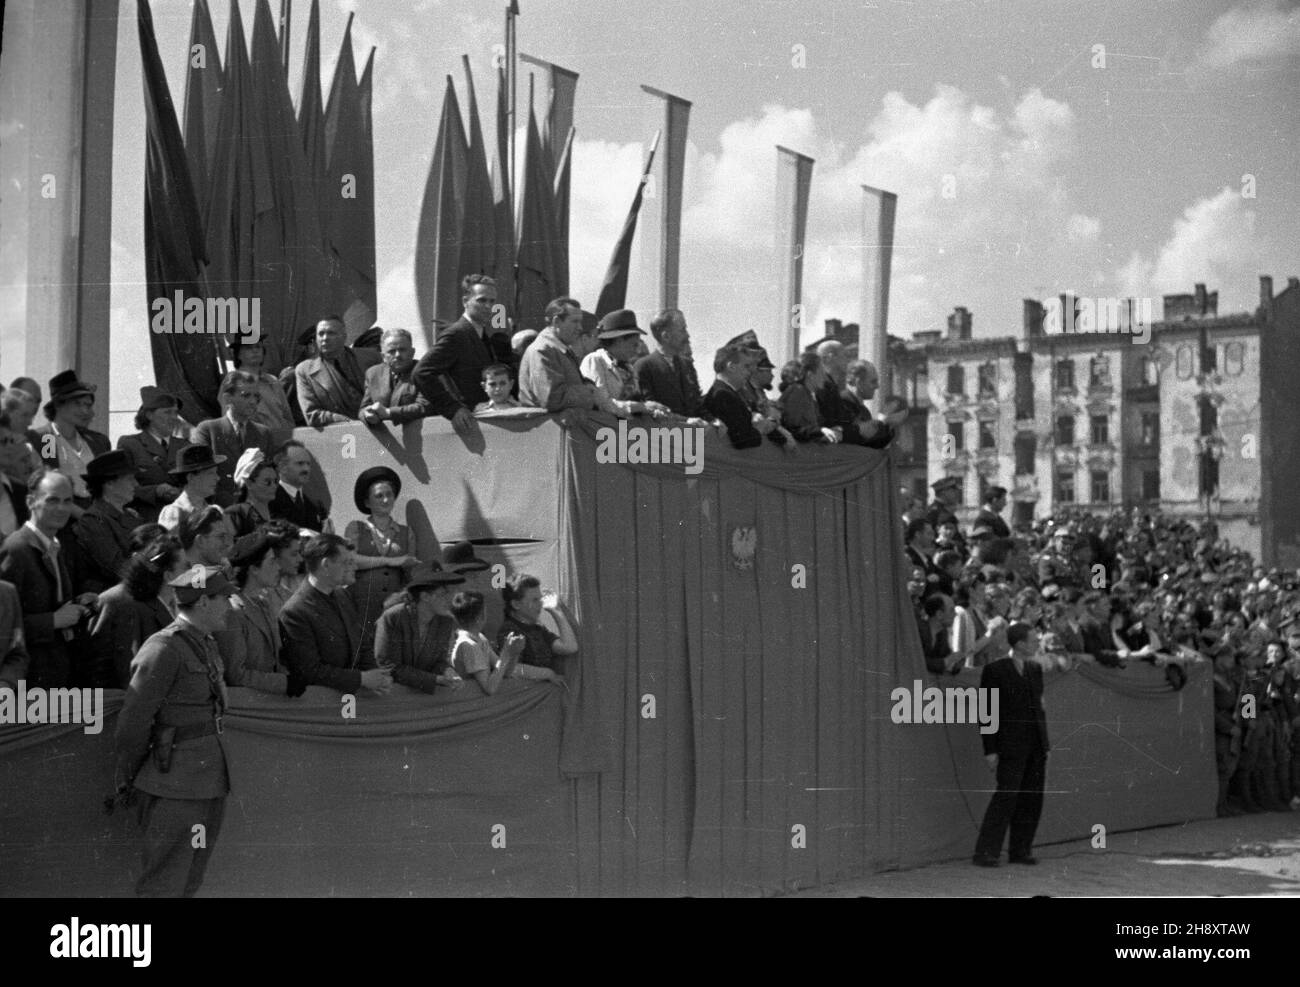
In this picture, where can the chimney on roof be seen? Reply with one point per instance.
(833, 328)
(1033, 318)
(1293, 282)
(1266, 297)
(959, 323)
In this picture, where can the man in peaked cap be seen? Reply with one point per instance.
(947, 495)
(171, 760)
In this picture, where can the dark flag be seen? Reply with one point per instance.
(613, 293)
(184, 364)
(203, 83)
(311, 111)
(479, 255)
(503, 209)
(537, 267)
(439, 242)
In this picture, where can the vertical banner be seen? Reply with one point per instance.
(793, 182)
(557, 126)
(656, 284)
(878, 209)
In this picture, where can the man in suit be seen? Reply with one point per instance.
(733, 364)
(550, 376)
(330, 384)
(918, 539)
(32, 560)
(450, 375)
(995, 502)
(170, 756)
(67, 443)
(13, 493)
(669, 375)
(1016, 751)
(391, 394)
(234, 431)
(153, 451)
(103, 534)
(324, 639)
(13, 648)
(291, 502)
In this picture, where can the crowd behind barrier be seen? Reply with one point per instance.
(193, 559)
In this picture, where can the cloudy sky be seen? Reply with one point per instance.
(1099, 147)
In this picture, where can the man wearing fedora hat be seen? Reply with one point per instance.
(67, 443)
(171, 759)
(153, 450)
(549, 374)
(103, 533)
(196, 472)
(235, 431)
(608, 366)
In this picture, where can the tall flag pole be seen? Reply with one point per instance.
(793, 184)
(661, 233)
(184, 364)
(613, 293)
(512, 81)
(439, 244)
(878, 210)
(203, 85)
(286, 12)
(503, 212)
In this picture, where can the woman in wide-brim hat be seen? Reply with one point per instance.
(195, 471)
(414, 635)
(74, 444)
(153, 450)
(384, 547)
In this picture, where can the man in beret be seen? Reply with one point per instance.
(171, 760)
(1016, 752)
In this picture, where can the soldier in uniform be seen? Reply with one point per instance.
(1056, 564)
(1227, 724)
(171, 762)
(947, 495)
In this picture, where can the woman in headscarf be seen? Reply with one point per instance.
(137, 607)
(256, 479)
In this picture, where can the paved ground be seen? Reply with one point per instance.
(1245, 855)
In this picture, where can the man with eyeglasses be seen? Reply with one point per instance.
(391, 394)
(234, 431)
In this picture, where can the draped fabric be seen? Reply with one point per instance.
(727, 727)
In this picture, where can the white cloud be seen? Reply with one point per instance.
(1254, 32)
(1214, 242)
(398, 306)
(1079, 227)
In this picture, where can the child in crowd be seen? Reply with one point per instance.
(496, 381)
(472, 655)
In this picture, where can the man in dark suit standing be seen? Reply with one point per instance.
(170, 754)
(330, 384)
(234, 431)
(450, 375)
(1016, 751)
(391, 394)
(291, 502)
(669, 375)
(990, 515)
(324, 636)
(32, 560)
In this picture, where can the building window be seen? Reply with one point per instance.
(956, 437)
(1209, 417)
(1150, 428)
(1150, 484)
(987, 439)
(1100, 430)
(1024, 386)
(1099, 372)
(1065, 375)
(1065, 430)
(920, 488)
(957, 379)
(1065, 488)
(1234, 359)
(1150, 370)
(1100, 487)
(988, 380)
(1183, 362)
(1025, 448)
(919, 436)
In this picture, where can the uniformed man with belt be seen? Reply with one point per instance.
(171, 759)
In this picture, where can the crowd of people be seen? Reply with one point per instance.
(1132, 586)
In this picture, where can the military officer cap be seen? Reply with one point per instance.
(953, 482)
(201, 580)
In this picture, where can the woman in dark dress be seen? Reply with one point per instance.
(153, 451)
